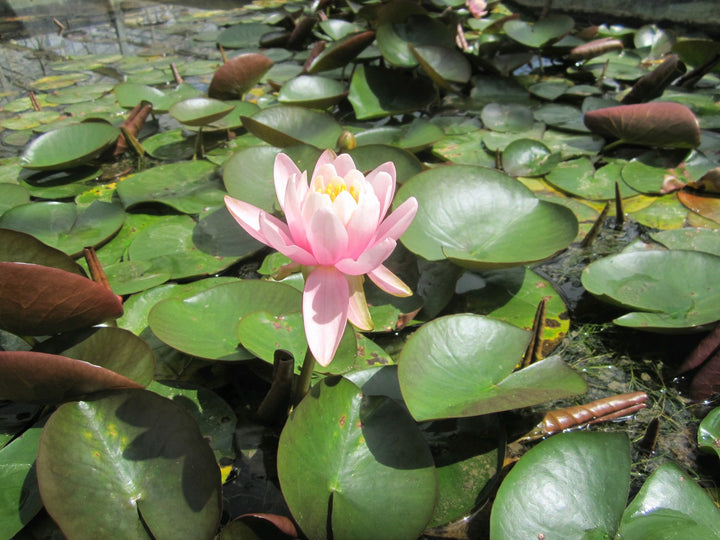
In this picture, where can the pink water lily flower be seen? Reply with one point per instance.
(337, 231)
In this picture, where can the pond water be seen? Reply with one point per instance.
(43, 48)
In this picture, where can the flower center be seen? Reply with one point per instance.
(336, 187)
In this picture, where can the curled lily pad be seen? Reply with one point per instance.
(664, 124)
(40, 300)
(394, 38)
(340, 52)
(16, 246)
(238, 75)
(482, 219)
(69, 146)
(287, 125)
(312, 91)
(671, 290)
(199, 111)
(49, 378)
(442, 64)
(462, 365)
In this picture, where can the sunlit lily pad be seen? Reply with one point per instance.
(287, 125)
(64, 225)
(312, 91)
(579, 177)
(669, 290)
(334, 451)
(130, 94)
(698, 239)
(707, 207)
(199, 111)
(12, 195)
(69, 146)
(481, 219)
(507, 117)
(414, 137)
(61, 184)
(187, 186)
(205, 324)
(526, 157)
(584, 503)
(133, 450)
(462, 365)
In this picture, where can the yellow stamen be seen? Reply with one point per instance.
(334, 189)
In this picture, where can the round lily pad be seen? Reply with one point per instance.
(672, 290)
(69, 146)
(287, 125)
(199, 111)
(481, 219)
(312, 91)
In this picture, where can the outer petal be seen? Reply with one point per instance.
(278, 237)
(369, 260)
(325, 311)
(358, 312)
(382, 179)
(283, 170)
(247, 216)
(363, 224)
(294, 198)
(389, 282)
(327, 237)
(396, 223)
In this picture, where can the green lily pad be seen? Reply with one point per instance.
(130, 94)
(61, 184)
(394, 38)
(465, 149)
(243, 35)
(12, 195)
(584, 504)
(462, 365)
(708, 436)
(69, 146)
(526, 157)
(187, 186)
(695, 238)
(286, 125)
(170, 145)
(199, 111)
(659, 285)
(507, 117)
(137, 451)
(540, 33)
(339, 53)
(368, 157)
(335, 451)
(415, 136)
(443, 65)
(312, 91)
(66, 226)
(665, 212)
(205, 324)
(482, 219)
(670, 505)
(21, 498)
(565, 117)
(579, 177)
(373, 92)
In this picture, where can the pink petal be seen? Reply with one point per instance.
(247, 216)
(363, 224)
(327, 236)
(396, 223)
(292, 207)
(389, 282)
(278, 237)
(344, 164)
(358, 312)
(369, 260)
(325, 311)
(382, 179)
(327, 157)
(283, 170)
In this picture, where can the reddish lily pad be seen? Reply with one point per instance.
(39, 300)
(663, 124)
(49, 378)
(340, 52)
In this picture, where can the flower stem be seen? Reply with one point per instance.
(303, 383)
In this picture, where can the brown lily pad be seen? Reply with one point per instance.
(658, 123)
(40, 300)
(36, 377)
(707, 207)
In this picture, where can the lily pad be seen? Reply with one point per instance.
(312, 91)
(287, 125)
(659, 285)
(199, 111)
(462, 365)
(695, 238)
(339, 53)
(443, 65)
(526, 157)
(540, 33)
(335, 450)
(238, 75)
(69, 146)
(40, 300)
(708, 436)
(482, 219)
(66, 226)
(16, 246)
(584, 504)
(205, 324)
(137, 451)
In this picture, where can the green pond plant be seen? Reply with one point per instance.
(189, 346)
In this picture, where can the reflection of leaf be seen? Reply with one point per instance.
(651, 124)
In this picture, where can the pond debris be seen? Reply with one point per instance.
(601, 410)
(534, 349)
(619, 211)
(706, 357)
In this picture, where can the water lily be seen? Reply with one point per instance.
(336, 229)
